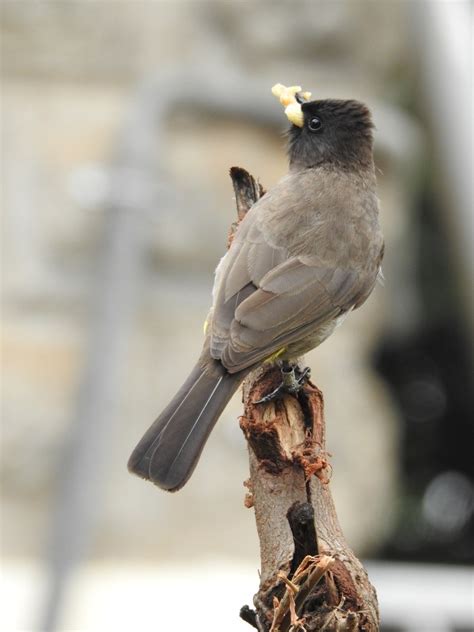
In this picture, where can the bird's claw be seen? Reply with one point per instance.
(292, 380)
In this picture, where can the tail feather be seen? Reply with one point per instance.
(168, 452)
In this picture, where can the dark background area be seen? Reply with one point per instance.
(430, 375)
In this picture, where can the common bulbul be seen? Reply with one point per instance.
(307, 253)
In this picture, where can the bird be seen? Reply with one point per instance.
(306, 254)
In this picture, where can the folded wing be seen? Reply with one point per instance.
(265, 298)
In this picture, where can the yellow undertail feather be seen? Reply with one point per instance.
(275, 355)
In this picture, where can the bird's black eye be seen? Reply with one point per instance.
(314, 124)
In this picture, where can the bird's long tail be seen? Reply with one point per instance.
(168, 452)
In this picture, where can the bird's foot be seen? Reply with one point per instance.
(292, 380)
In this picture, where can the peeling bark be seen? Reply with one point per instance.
(310, 579)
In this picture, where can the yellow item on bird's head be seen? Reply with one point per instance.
(287, 96)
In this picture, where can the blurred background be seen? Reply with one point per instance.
(120, 121)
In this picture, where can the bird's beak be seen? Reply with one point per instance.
(292, 98)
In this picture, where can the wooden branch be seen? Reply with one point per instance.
(309, 579)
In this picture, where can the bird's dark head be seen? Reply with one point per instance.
(331, 131)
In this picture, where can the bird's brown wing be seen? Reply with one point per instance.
(265, 298)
